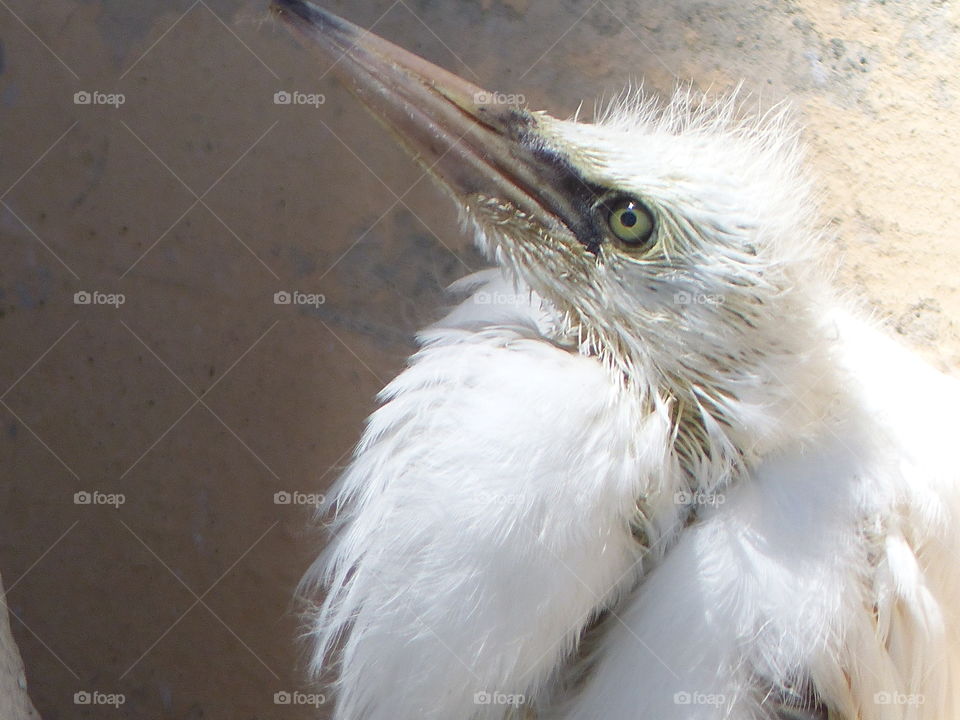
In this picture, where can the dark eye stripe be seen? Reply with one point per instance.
(583, 206)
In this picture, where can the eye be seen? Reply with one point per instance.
(630, 222)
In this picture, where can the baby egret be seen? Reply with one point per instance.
(651, 466)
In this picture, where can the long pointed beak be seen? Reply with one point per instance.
(477, 147)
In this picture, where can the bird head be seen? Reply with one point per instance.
(676, 242)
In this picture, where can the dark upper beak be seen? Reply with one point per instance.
(476, 147)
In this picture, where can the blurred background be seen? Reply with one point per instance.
(172, 171)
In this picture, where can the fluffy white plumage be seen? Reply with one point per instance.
(689, 483)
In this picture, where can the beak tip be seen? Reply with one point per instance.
(473, 141)
(279, 7)
(306, 13)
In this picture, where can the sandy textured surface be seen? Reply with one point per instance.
(199, 399)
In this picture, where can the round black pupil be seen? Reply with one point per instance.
(628, 218)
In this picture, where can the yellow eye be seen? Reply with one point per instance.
(630, 222)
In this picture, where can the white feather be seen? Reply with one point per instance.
(483, 527)
(755, 495)
(834, 563)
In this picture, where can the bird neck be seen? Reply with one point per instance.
(727, 410)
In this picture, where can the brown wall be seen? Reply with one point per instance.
(199, 398)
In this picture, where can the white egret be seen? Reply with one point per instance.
(651, 466)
